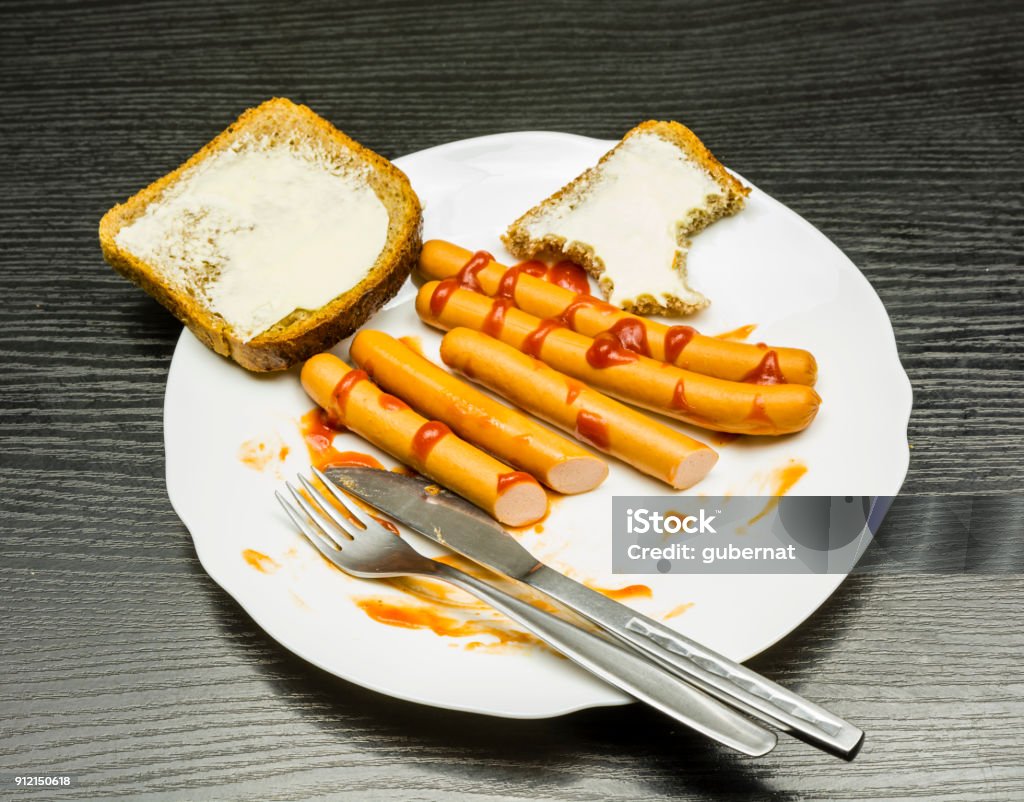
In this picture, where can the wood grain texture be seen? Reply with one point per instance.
(894, 128)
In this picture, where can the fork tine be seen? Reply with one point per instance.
(315, 538)
(325, 505)
(325, 525)
(342, 497)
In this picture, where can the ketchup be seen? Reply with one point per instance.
(344, 387)
(569, 276)
(758, 412)
(573, 390)
(386, 524)
(606, 352)
(506, 480)
(496, 317)
(767, 372)
(442, 292)
(319, 434)
(426, 437)
(535, 339)
(391, 403)
(679, 402)
(679, 397)
(630, 591)
(676, 339)
(784, 479)
(409, 616)
(632, 335)
(333, 422)
(507, 285)
(260, 561)
(737, 334)
(317, 430)
(467, 276)
(352, 459)
(592, 428)
(568, 315)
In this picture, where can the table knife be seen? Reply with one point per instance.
(451, 521)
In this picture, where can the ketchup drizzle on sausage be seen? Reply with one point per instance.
(344, 387)
(506, 480)
(592, 428)
(767, 372)
(679, 397)
(606, 352)
(535, 339)
(496, 317)
(632, 335)
(442, 292)
(573, 389)
(758, 412)
(391, 403)
(568, 315)
(426, 437)
(682, 404)
(507, 285)
(676, 339)
(467, 276)
(569, 276)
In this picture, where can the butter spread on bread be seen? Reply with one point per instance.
(628, 219)
(273, 242)
(259, 232)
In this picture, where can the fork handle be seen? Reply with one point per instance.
(720, 677)
(624, 669)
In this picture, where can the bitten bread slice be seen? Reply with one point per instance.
(277, 239)
(628, 219)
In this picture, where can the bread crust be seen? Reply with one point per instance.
(301, 334)
(521, 245)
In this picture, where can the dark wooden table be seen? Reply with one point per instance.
(895, 128)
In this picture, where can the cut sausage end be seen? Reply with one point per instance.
(692, 468)
(522, 504)
(577, 475)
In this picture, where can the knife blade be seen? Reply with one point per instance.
(449, 520)
(648, 681)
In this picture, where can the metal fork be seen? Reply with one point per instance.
(368, 550)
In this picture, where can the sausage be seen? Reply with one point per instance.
(508, 435)
(614, 428)
(602, 362)
(511, 497)
(681, 345)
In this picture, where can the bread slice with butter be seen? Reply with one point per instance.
(628, 219)
(276, 240)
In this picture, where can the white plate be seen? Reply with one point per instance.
(766, 266)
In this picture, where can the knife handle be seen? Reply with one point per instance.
(708, 670)
(624, 669)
